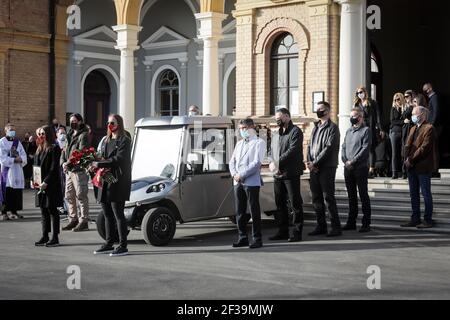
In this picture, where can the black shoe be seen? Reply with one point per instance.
(349, 227)
(425, 225)
(365, 229)
(296, 237)
(104, 249)
(395, 176)
(241, 243)
(52, 243)
(318, 232)
(405, 176)
(119, 252)
(256, 245)
(42, 242)
(279, 237)
(334, 233)
(410, 225)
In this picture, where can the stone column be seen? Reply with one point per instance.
(78, 91)
(210, 33)
(353, 61)
(127, 40)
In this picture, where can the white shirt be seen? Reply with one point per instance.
(15, 177)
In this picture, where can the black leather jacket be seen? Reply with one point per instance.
(327, 146)
(291, 152)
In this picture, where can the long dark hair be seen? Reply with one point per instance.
(120, 129)
(49, 139)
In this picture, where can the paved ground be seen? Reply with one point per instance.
(200, 264)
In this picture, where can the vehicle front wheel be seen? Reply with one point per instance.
(158, 226)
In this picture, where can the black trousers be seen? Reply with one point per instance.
(323, 188)
(396, 143)
(357, 180)
(250, 195)
(50, 217)
(114, 215)
(288, 189)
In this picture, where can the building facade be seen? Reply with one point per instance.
(144, 58)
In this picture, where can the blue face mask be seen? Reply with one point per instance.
(415, 119)
(245, 134)
(11, 134)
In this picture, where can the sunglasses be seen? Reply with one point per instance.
(398, 99)
(360, 92)
(111, 123)
(41, 134)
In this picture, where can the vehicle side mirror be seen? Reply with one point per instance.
(192, 163)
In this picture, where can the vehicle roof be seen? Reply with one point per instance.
(182, 121)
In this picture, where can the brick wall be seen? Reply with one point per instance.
(29, 15)
(28, 98)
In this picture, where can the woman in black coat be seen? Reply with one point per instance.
(395, 134)
(116, 153)
(372, 119)
(48, 195)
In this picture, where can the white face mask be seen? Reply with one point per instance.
(192, 114)
(362, 96)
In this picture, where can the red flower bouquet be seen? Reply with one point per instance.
(83, 160)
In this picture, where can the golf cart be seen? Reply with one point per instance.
(180, 173)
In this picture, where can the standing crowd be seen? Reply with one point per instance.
(365, 153)
(46, 163)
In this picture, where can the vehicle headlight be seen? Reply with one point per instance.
(156, 188)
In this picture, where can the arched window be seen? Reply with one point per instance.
(169, 89)
(284, 74)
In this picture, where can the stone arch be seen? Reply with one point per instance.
(192, 4)
(262, 50)
(128, 11)
(212, 6)
(278, 25)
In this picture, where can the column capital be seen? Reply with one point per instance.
(127, 37)
(210, 25)
(350, 6)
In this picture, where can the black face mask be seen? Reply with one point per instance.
(280, 123)
(321, 114)
(354, 121)
(74, 126)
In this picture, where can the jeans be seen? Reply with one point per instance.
(396, 143)
(288, 188)
(50, 216)
(417, 183)
(244, 195)
(114, 215)
(323, 188)
(356, 180)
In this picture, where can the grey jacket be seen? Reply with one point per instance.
(356, 147)
(327, 146)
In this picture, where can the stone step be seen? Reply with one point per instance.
(396, 227)
(383, 210)
(397, 193)
(389, 184)
(438, 203)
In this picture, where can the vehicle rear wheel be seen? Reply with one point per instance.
(158, 226)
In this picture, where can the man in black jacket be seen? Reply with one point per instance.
(288, 169)
(323, 154)
(434, 118)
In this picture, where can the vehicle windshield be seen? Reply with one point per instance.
(157, 152)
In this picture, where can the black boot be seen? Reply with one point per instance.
(53, 243)
(42, 241)
(297, 235)
(320, 230)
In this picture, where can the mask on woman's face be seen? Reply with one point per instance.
(113, 127)
(362, 96)
(62, 137)
(74, 125)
